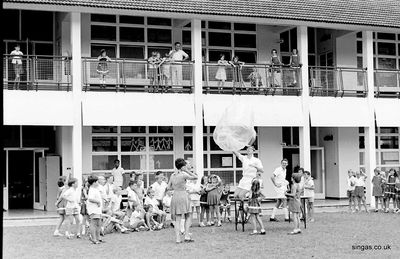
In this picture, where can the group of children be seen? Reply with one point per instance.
(254, 76)
(385, 189)
(96, 208)
(159, 71)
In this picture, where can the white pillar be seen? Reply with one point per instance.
(370, 151)
(76, 92)
(304, 132)
(198, 103)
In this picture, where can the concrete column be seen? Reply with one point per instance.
(370, 151)
(198, 102)
(304, 132)
(76, 91)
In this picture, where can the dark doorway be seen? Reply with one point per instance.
(289, 153)
(20, 177)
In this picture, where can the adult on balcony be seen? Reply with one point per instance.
(177, 56)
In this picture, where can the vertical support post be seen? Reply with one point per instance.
(370, 151)
(198, 102)
(304, 131)
(76, 92)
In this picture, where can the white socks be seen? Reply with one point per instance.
(182, 226)
(285, 210)
(274, 210)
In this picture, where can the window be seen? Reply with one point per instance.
(37, 25)
(110, 49)
(246, 56)
(290, 136)
(219, 39)
(385, 48)
(136, 52)
(386, 36)
(131, 19)
(186, 37)
(103, 18)
(159, 35)
(245, 40)
(11, 31)
(244, 27)
(158, 21)
(107, 33)
(131, 34)
(137, 147)
(219, 25)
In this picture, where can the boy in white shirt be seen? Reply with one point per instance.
(309, 192)
(94, 208)
(151, 200)
(116, 200)
(72, 208)
(351, 185)
(359, 191)
(159, 187)
(133, 199)
(137, 219)
(17, 63)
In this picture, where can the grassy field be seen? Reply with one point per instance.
(331, 235)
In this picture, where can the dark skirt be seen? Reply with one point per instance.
(359, 192)
(254, 203)
(294, 205)
(213, 197)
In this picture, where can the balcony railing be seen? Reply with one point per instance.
(252, 79)
(137, 76)
(387, 83)
(338, 81)
(36, 73)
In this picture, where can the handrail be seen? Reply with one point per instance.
(40, 56)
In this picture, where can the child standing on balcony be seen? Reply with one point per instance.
(221, 71)
(237, 72)
(102, 67)
(154, 62)
(165, 72)
(276, 69)
(294, 64)
(255, 78)
(17, 64)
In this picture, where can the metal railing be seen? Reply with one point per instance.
(338, 81)
(252, 79)
(387, 83)
(36, 73)
(137, 76)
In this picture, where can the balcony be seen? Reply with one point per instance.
(37, 73)
(387, 83)
(252, 79)
(338, 81)
(136, 76)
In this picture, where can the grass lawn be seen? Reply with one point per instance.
(331, 235)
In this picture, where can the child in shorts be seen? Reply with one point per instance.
(72, 208)
(225, 202)
(309, 192)
(194, 196)
(137, 220)
(359, 193)
(94, 208)
(60, 204)
(350, 190)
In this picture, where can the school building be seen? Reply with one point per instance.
(339, 110)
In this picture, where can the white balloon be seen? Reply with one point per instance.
(235, 129)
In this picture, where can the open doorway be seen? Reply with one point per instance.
(292, 154)
(20, 179)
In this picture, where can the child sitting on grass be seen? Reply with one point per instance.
(150, 221)
(137, 221)
(151, 200)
